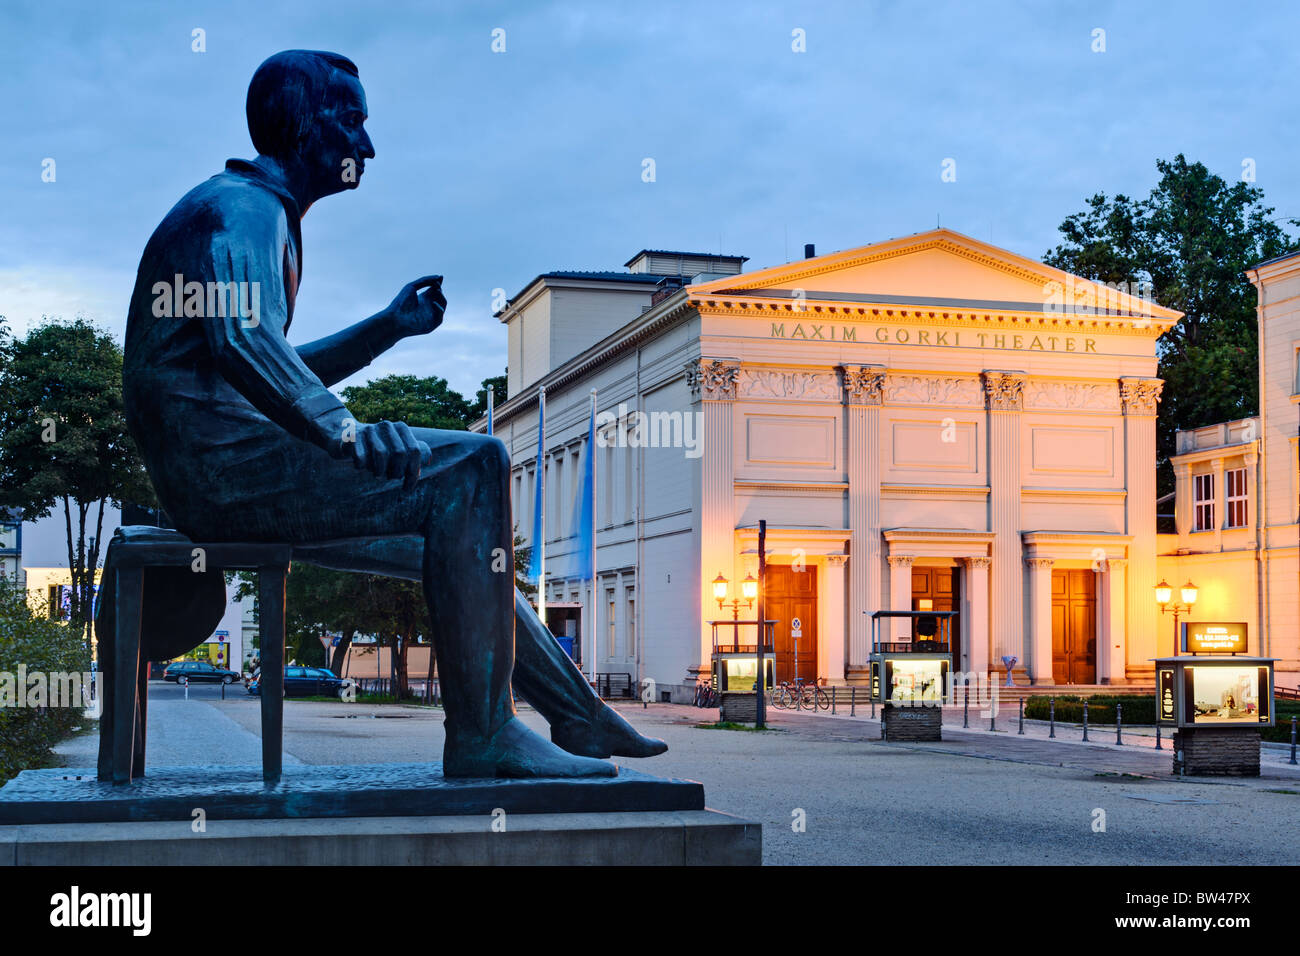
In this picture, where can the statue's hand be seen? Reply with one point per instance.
(416, 312)
(390, 450)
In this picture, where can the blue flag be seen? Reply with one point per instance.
(586, 520)
(539, 493)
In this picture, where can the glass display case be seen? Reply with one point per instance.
(1201, 691)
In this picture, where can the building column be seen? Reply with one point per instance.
(900, 596)
(835, 642)
(1252, 501)
(1039, 664)
(1139, 397)
(1182, 502)
(863, 390)
(1004, 399)
(1112, 588)
(713, 384)
(976, 638)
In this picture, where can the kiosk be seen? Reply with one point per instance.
(1218, 703)
(734, 666)
(910, 678)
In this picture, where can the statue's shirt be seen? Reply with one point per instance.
(214, 393)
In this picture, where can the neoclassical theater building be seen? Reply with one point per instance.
(929, 422)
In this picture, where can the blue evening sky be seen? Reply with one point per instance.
(493, 167)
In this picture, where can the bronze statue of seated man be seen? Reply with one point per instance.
(244, 441)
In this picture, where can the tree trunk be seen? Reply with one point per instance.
(428, 686)
(341, 653)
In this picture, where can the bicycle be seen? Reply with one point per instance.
(800, 694)
(705, 695)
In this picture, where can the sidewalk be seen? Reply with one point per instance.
(1100, 753)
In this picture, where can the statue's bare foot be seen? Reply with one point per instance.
(606, 735)
(515, 751)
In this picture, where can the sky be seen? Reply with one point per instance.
(496, 165)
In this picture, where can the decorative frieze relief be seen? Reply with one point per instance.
(932, 390)
(1140, 395)
(713, 379)
(777, 383)
(1004, 391)
(1101, 396)
(863, 384)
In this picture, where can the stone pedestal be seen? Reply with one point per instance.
(648, 838)
(738, 708)
(1216, 751)
(899, 724)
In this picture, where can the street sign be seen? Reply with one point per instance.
(796, 627)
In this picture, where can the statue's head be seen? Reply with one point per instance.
(306, 109)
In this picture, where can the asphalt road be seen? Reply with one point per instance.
(826, 790)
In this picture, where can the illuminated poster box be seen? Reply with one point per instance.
(1220, 691)
(1214, 637)
(911, 669)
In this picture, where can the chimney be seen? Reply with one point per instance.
(809, 251)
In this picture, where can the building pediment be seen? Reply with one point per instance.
(937, 270)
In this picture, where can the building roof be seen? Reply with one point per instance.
(1269, 262)
(688, 255)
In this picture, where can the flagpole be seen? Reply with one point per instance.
(591, 441)
(491, 402)
(540, 543)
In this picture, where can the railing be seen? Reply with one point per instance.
(423, 690)
(1286, 693)
(615, 685)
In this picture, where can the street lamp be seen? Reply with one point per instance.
(1164, 597)
(748, 589)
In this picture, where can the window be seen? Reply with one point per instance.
(611, 633)
(1234, 486)
(1203, 502)
(631, 623)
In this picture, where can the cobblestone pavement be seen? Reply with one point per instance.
(828, 791)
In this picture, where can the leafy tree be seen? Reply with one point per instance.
(1191, 239)
(64, 440)
(420, 402)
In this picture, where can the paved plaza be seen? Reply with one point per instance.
(978, 797)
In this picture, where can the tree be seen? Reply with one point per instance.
(1191, 239)
(420, 402)
(64, 440)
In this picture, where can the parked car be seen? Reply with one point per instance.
(307, 682)
(199, 671)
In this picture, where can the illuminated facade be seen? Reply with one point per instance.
(1237, 497)
(928, 422)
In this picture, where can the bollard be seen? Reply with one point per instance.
(186, 682)
(1051, 717)
(1119, 724)
(1158, 747)
(223, 690)
(853, 702)
(873, 708)
(1085, 719)
(834, 693)
(993, 716)
(965, 707)
(1021, 731)
(1293, 739)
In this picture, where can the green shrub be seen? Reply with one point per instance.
(1138, 708)
(42, 645)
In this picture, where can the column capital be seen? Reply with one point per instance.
(1114, 565)
(1003, 391)
(713, 379)
(1139, 396)
(1039, 564)
(836, 560)
(863, 384)
(901, 560)
(978, 562)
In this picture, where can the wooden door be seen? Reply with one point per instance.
(942, 588)
(793, 594)
(1074, 626)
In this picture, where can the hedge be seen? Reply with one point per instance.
(44, 646)
(1140, 709)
